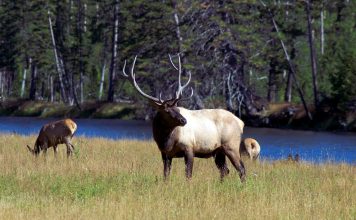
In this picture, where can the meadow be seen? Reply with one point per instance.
(107, 179)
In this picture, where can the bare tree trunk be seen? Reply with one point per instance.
(97, 10)
(85, 22)
(102, 81)
(74, 95)
(1, 86)
(9, 86)
(322, 36)
(176, 20)
(228, 93)
(312, 56)
(288, 91)
(60, 70)
(71, 3)
(81, 84)
(23, 82)
(50, 89)
(43, 90)
(81, 25)
(272, 87)
(32, 95)
(24, 78)
(290, 65)
(112, 71)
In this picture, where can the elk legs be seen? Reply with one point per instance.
(188, 159)
(69, 147)
(167, 162)
(237, 163)
(220, 161)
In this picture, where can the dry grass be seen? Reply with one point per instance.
(122, 180)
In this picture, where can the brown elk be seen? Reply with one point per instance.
(250, 147)
(54, 133)
(205, 133)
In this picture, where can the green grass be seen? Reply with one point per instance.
(108, 179)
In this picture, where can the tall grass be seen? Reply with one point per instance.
(109, 179)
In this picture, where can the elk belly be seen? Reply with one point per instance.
(203, 136)
(206, 144)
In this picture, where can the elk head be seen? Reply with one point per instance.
(167, 109)
(30, 149)
(34, 151)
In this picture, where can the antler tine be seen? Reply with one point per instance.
(189, 78)
(160, 97)
(159, 101)
(123, 71)
(170, 59)
(179, 72)
(183, 99)
(180, 87)
(179, 68)
(190, 96)
(132, 69)
(132, 79)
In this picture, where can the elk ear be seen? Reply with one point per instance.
(31, 150)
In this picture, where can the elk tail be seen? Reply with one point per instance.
(253, 145)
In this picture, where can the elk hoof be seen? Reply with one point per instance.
(243, 178)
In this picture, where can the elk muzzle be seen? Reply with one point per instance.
(30, 149)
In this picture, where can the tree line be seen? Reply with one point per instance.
(242, 54)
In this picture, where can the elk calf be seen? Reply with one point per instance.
(250, 147)
(54, 133)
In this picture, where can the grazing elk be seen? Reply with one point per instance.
(54, 133)
(250, 147)
(205, 133)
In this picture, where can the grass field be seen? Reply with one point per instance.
(109, 179)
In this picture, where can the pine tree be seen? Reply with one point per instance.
(340, 54)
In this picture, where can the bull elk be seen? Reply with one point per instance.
(250, 147)
(205, 133)
(54, 133)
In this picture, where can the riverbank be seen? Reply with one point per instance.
(45, 109)
(109, 179)
(293, 116)
(278, 115)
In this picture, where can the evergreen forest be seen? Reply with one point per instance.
(294, 57)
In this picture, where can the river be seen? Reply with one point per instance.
(275, 143)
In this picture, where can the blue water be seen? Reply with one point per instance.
(108, 128)
(275, 143)
(310, 145)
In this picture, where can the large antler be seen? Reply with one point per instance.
(179, 92)
(132, 79)
(159, 101)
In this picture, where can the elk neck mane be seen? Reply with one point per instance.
(162, 130)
